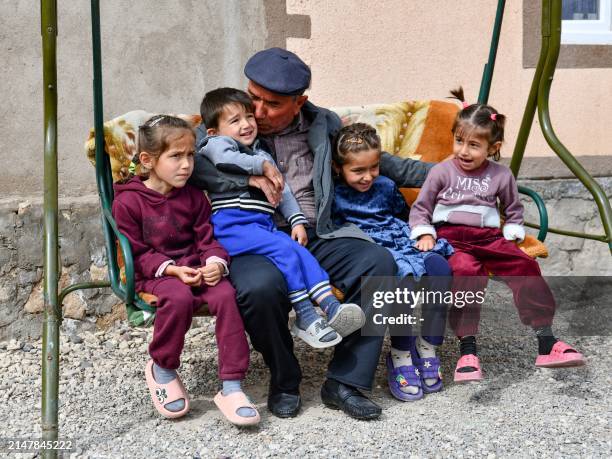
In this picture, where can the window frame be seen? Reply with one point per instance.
(589, 32)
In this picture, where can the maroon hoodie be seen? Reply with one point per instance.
(161, 227)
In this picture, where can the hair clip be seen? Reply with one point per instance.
(493, 116)
(154, 122)
(355, 140)
(465, 104)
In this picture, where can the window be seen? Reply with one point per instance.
(587, 22)
(574, 56)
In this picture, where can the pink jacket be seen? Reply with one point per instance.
(452, 195)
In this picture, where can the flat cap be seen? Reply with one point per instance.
(279, 71)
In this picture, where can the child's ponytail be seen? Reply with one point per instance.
(458, 94)
(134, 168)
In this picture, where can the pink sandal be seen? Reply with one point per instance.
(469, 360)
(162, 394)
(229, 405)
(558, 357)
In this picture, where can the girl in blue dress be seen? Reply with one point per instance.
(374, 203)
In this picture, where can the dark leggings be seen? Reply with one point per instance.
(438, 279)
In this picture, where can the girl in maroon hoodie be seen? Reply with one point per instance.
(177, 259)
(459, 202)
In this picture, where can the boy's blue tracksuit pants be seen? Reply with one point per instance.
(244, 232)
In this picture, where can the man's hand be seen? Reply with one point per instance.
(265, 184)
(298, 233)
(187, 275)
(273, 174)
(425, 243)
(212, 273)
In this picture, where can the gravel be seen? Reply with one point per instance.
(518, 411)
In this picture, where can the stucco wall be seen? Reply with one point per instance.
(367, 52)
(157, 55)
(162, 56)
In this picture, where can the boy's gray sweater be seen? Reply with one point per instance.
(230, 156)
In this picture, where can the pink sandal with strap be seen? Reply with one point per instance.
(162, 394)
(229, 405)
(558, 357)
(465, 361)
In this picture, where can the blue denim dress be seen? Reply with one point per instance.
(382, 214)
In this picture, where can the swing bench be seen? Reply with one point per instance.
(410, 129)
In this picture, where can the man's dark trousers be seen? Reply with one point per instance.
(264, 306)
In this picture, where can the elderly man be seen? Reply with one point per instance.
(298, 134)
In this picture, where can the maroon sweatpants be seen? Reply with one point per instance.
(480, 251)
(176, 304)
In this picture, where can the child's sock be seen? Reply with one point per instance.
(329, 305)
(305, 315)
(402, 358)
(426, 351)
(164, 376)
(467, 346)
(546, 339)
(231, 386)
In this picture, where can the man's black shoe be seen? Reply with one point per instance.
(336, 395)
(284, 405)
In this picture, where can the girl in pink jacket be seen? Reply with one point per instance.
(459, 201)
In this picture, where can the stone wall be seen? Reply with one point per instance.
(83, 258)
(571, 207)
(21, 264)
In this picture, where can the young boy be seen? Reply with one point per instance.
(243, 220)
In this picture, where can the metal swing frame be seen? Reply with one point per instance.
(53, 299)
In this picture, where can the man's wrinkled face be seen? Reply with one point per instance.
(273, 112)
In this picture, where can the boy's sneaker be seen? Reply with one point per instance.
(347, 319)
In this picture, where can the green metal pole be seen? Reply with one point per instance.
(543, 213)
(562, 232)
(103, 174)
(532, 100)
(487, 75)
(603, 204)
(50, 353)
(104, 182)
(82, 286)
